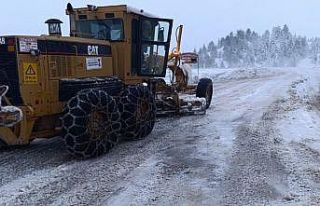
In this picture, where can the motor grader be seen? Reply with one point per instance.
(100, 85)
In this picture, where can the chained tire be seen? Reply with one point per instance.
(205, 90)
(138, 112)
(91, 124)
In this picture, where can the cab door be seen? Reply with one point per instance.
(150, 46)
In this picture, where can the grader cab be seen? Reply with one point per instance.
(100, 85)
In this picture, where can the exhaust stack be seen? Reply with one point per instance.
(54, 27)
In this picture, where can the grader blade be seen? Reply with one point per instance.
(190, 104)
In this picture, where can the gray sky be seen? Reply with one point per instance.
(204, 20)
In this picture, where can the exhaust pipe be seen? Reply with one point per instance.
(9, 115)
(3, 91)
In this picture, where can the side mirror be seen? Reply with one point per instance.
(161, 35)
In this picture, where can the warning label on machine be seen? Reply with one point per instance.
(28, 44)
(30, 72)
(94, 63)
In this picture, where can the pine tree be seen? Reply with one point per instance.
(248, 48)
(212, 49)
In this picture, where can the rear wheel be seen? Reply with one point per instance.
(91, 123)
(205, 90)
(138, 112)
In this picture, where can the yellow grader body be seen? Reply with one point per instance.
(96, 87)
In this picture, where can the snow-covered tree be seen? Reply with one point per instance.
(247, 48)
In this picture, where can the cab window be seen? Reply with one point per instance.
(155, 42)
(155, 30)
(109, 29)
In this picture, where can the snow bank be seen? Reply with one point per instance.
(220, 75)
(237, 74)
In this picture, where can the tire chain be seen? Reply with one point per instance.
(133, 129)
(75, 119)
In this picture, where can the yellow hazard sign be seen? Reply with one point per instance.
(30, 73)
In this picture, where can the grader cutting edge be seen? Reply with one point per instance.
(97, 87)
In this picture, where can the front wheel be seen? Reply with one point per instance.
(138, 112)
(91, 123)
(205, 90)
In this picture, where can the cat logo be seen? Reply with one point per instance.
(30, 71)
(93, 50)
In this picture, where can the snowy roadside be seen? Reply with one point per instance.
(221, 75)
(231, 74)
(282, 167)
(299, 139)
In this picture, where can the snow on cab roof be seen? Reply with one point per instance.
(125, 8)
(140, 12)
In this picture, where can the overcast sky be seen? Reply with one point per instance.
(204, 20)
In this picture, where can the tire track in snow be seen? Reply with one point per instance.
(257, 174)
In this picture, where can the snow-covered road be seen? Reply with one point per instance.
(259, 144)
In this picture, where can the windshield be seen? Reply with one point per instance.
(110, 29)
